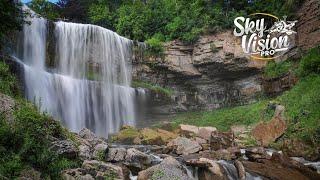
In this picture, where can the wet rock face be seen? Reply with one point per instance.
(210, 74)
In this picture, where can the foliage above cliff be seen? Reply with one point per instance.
(178, 19)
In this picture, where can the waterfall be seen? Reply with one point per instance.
(89, 85)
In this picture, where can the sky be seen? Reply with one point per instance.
(26, 1)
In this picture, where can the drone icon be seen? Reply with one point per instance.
(283, 26)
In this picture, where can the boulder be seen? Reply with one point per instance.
(116, 154)
(127, 135)
(150, 136)
(241, 170)
(65, 148)
(205, 132)
(213, 170)
(87, 134)
(137, 160)
(101, 170)
(166, 136)
(297, 148)
(100, 151)
(221, 140)
(169, 168)
(185, 146)
(267, 132)
(188, 130)
(93, 169)
(29, 174)
(275, 170)
(84, 152)
(256, 154)
(87, 137)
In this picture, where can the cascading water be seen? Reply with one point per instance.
(89, 85)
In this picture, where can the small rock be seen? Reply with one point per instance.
(184, 146)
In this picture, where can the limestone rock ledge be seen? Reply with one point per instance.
(212, 73)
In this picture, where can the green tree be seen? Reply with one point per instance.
(45, 9)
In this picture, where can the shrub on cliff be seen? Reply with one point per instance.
(25, 143)
(310, 63)
(8, 82)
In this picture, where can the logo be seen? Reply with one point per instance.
(264, 36)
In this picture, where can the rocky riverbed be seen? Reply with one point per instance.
(185, 152)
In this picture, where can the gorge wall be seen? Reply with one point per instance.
(214, 72)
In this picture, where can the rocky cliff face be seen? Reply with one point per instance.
(212, 73)
(308, 27)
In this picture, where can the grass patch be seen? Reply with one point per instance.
(302, 104)
(155, 88)
(273, 69)
(224, 118)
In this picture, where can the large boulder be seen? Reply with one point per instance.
(84, 152)
(275, 169)
(267, 132)
(169, 168)
(150, 136)
(137, 160)
(116, 154)
(93, 169)
(126, 135)
(205, 132)
(221, 140)
(212, 170)
(185, 146)
(100, 151)
(188, 130)
(65, 148)
(29, 174)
